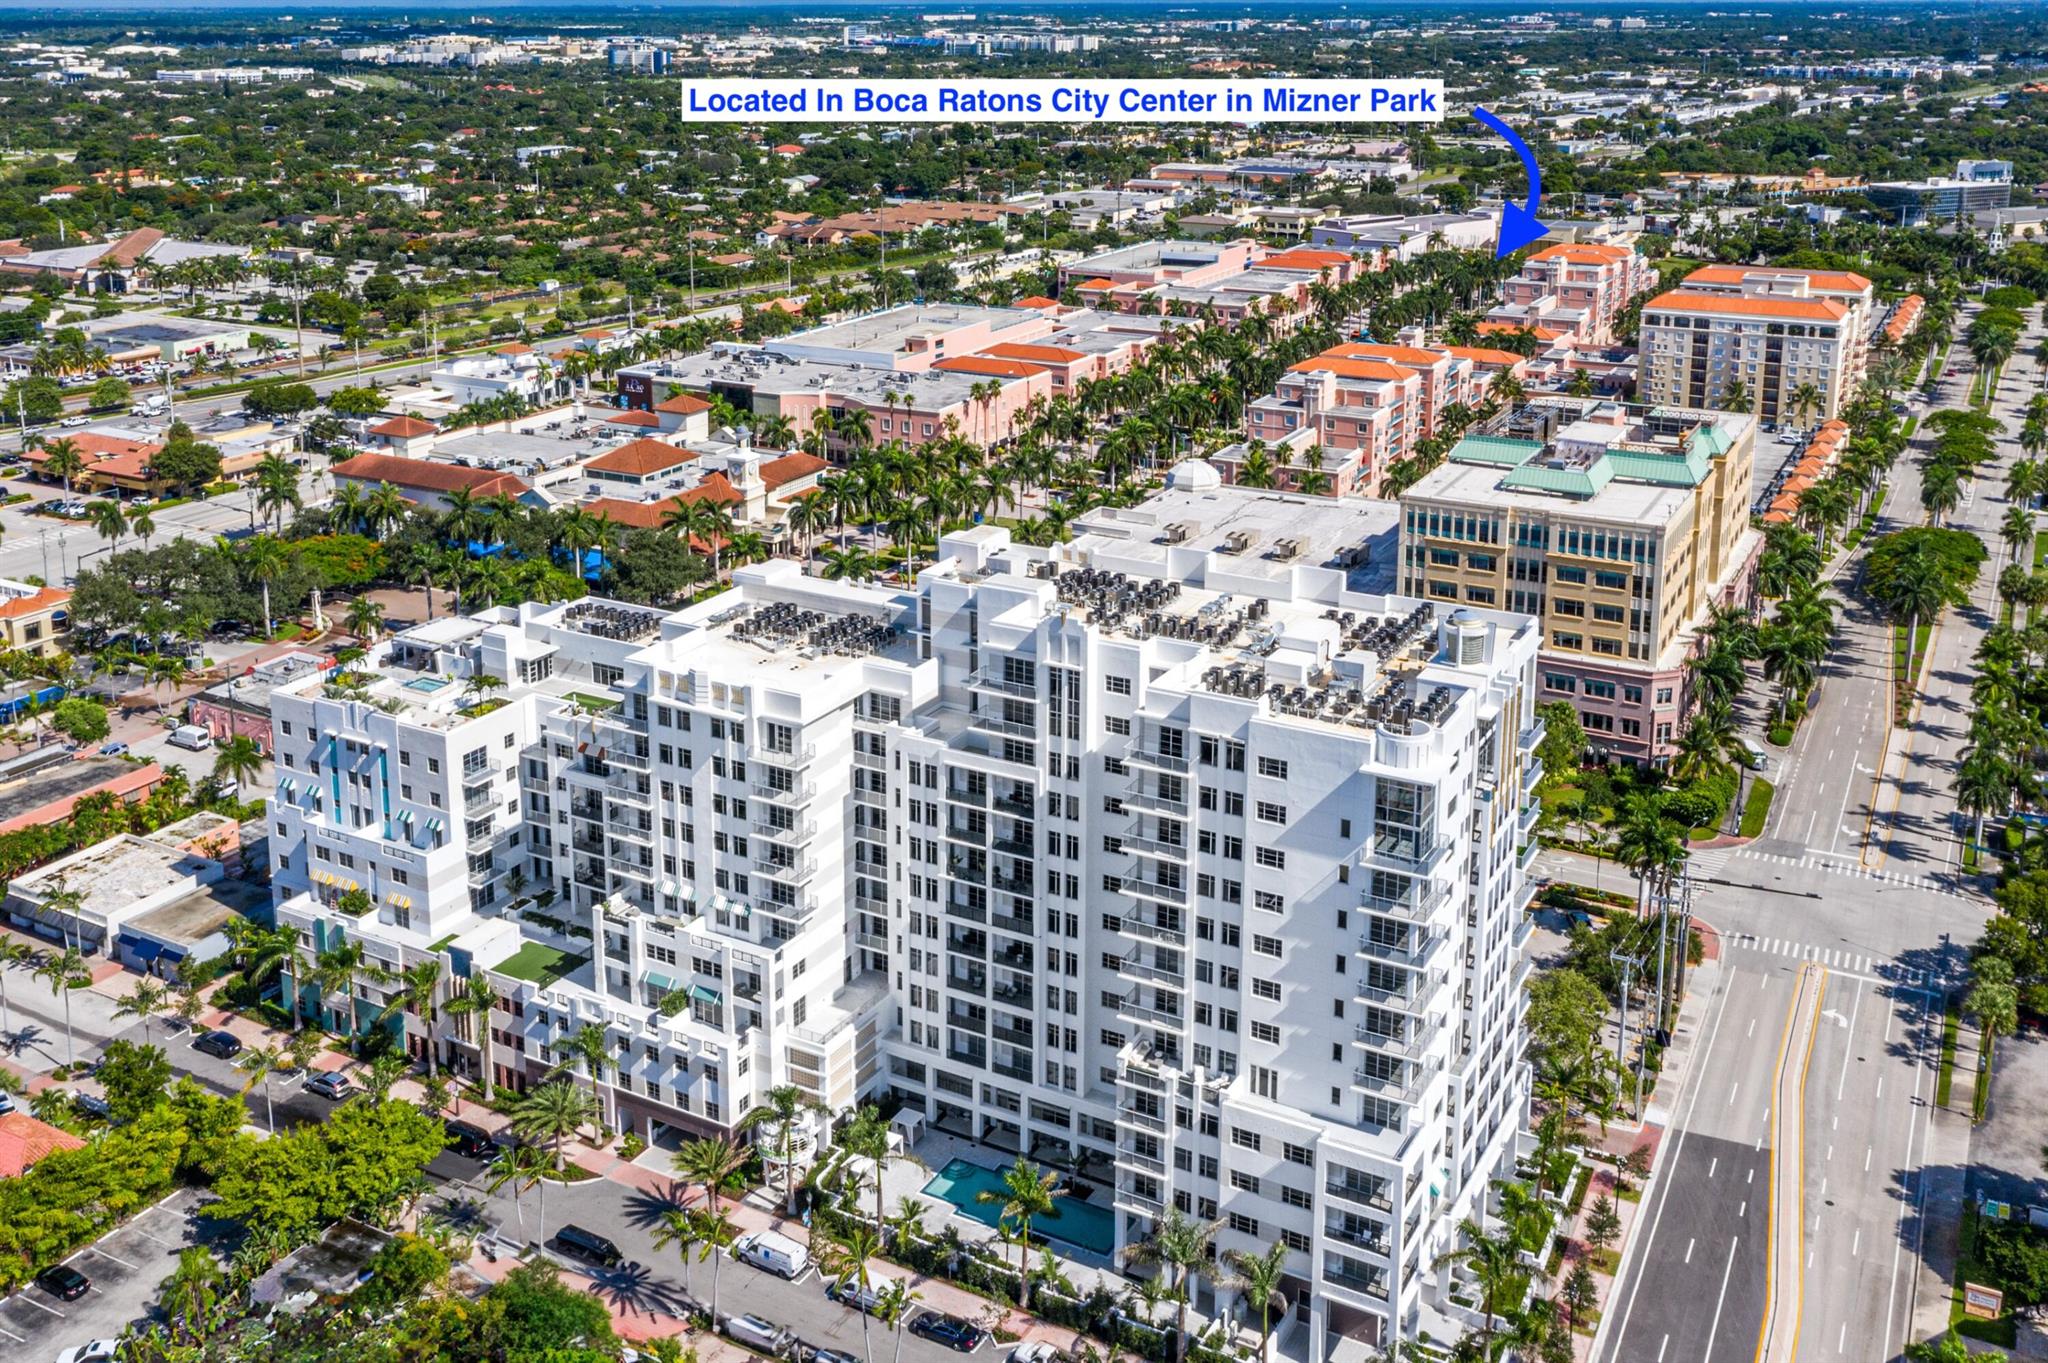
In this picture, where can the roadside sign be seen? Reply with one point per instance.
(1984, 1303)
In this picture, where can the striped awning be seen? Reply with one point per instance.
(700, 994)
(660, 981)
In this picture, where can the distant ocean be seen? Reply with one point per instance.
(600, 12)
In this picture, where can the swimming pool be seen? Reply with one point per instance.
(428, 684)
(1085, 1225)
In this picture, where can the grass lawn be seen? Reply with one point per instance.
(1864, 526)
(1970, 1269)
(538, 963)
(1907, 673)
(1951, 1019)
(1756, 807)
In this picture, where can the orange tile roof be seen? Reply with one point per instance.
(638, 458)
(1037, 301)
(1776, 518)
(513, 348)
(1013, 350)
(25, 1141)
(984, 364)
(1805, 309)
(1511, 328)
(42, 599)
(683, 404)
(791, 468)
(629, 418)
(1584, 253)
(1797, 484)
(1735, 274)
(424, 475)
(1350, 369)
(1398, 354)
(1304, 259)
(404, 427)
(1480, 354)
(1095, 284)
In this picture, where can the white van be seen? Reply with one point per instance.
(191, 737)
(1754, 756)
(756, 1333)
(778, 1254)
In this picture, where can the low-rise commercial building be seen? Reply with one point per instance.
(1619, 528)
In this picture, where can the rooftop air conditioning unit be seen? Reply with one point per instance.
(1177, 533)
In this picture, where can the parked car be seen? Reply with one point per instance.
(472, 1142)
(114, 749)
(951, 1331)
(330, 1084)
(848, 1292)
(818, 1355)
(6, 1103)
(778, 1254)
(80, 420)
(757, 1333)
(1037, 1351)
(588, 1246)
(92, 1351)
(91, 1104)
(63, 1282)
(223, 1045)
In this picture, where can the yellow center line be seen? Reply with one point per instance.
(1763, 1330)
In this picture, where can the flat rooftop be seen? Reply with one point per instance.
(201, 914)
(893, 329)
(59, 781)
(1150, 255)
(777, 623)
(113, 875)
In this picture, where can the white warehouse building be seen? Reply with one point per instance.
(1184, 847)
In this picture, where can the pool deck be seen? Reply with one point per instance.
(934, 1151)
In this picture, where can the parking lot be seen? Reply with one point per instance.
(125, 1267)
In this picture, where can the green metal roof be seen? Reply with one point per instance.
(1667, 470)
(1710, 440)
(711, 996)
(1572, 482)
(660, 981)
(1494, 449)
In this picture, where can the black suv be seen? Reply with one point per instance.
(588, 1246)
(225, 1045)
(951, 1331)
(64, 1282)
(471, 1141)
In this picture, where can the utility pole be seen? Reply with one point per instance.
(1684, 943)
(1629, 965)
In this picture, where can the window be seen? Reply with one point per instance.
(1296, 1197)
(1269, 812)
(1242, 1137)
(1273, 767)
(1117, 686)
(1266, 989)
(1266, 946)
(1116, 724)
(1261, 1031)
(1295, 1241)
(1298, 1154)
(1243, 1182)
(1272, 858)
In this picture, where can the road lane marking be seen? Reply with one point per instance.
(1714, 1164)
(1751, 1180)
(115, 1257)
(1866, 1158)
(31, 1301)
(1716, 1328)
(1856, 1243)
(1734, 1089)
(1688, 1248)
(1661, 1347)
(1663, 1185)
(18, 1339)
(1842, 1338)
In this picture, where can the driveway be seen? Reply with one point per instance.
(126, 1267)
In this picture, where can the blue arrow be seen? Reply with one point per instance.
(1518, 225)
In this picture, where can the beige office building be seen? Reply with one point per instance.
(1617, 527)
(1775, 330)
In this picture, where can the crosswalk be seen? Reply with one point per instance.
(1715, 864)
(1836, 958)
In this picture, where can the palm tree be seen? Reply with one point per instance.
(1179, 1245)
(716, 1230)
(589, 1054)
(64, 971)
(1805, 399)
(1993, 1000)
(474, 1003)
(678, 1226)
(1258, 1277)
(365, 618)
(266, 559)
(260, 1063)
(108, 518)
(553, 1113)
(713, 1163)
(1735, 397)
(787, 1105)
(419, 985)
(846, 1257)
(892, 1307)
(867, 1135)
(239, 759)
(1983, 785)
(144, 1002)
(522, 1166)
(1495, 1263)
(62, 459)
(335, 971)
(1646, 844)
(1025, 1193)
(190, 1295)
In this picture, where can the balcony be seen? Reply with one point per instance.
(1415, 905)
(1395, 857)
(873, 761)
(592, 843)
(1017, 885)
(1130, 1006)
(996, 724)
(639, 834)
(1129, 1156)
(1409, 998)
(1136, 1202)
(1146, 757)
(968, 795)
(1395, 1088)
(1367, 1282)
(1151, 928)
(1152, 847)
(1171, 975)
(798, 830)
(986, 680)
(967, 984)
(1022, 924)
(975, 835)
(1135, 796)
(966, 1022)
(1374, 1193)
(794, 871)
(1414, 950)
(1015, 995)
(1140, 888)
(794, 758)
(1409, 1047)
(1018, 1070)
(1016, 806)
(871, 941)
(1013, 847)
(791, 796)
(1371, 1239)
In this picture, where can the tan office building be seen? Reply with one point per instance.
(1617, 527)
(1775, 330)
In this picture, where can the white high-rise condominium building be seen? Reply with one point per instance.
(1184, 846)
